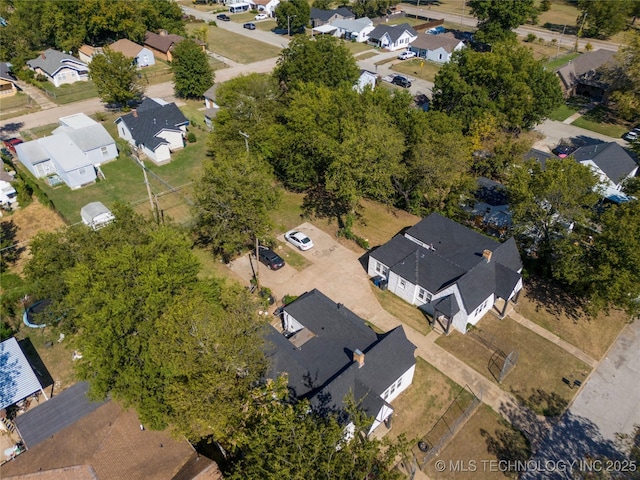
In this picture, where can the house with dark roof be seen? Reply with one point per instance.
(156, 128)
(8, 82)
(323, 17)
(392, 37)
(59, 68)
(582, 75)
(71, 437)
(78, 147)
(450, 272)
(141, 56)
(437, 48)
(162, 44)
(329, 353)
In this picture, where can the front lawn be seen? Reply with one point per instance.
(402, 310)
(418, 67)
(70, 93)
(601, 120)
(358, 47)
(562, 113)
(236, 47)
(559, 61)
(541, 366)
(17, 105)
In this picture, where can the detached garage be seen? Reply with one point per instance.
(96, 215)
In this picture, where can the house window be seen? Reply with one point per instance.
(424, 295)
(385, 395)
(440, 56)
(381, 269)
(402, 283)
(62, 76)
(104, 151)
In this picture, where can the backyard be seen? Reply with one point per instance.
(236, 47)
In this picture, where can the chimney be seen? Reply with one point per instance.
(163, 33)
(358, 356)
(134, 112)
(487, 255)
(44, 57)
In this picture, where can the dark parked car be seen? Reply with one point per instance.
(249, 26)
(271, 259)
(224, 17)
(401, 81)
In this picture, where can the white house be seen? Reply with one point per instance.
(8, 195)
(96, 215)
(74, 151)
(451, 272)
(156, 127)
(141, 56)
(357, 30)
(392, 37)
(328, 352)
(59, 68)
(267, 6)
(437, 48)
(366, 79)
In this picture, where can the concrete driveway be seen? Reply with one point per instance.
(334, 269)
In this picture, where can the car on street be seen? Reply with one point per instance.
(407, 54)
(563, 151)
(401, 81)
(298, 239)
(11, 143)
(261, 16)
(249, 26)
(271, 259)
(632, 135)
(223, 16)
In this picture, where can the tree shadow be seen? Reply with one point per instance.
(38, 366)
(507, 443)
(12, 127)
(558, 28)
(551, 297)
(548, 404)
(8, 234)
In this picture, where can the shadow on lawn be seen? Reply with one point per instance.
(550, 297)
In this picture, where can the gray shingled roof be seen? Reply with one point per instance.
(5, 72)
(611, 158)
(585, 64)
(59, 412)
(322, 369)
(428, 41)
(447, 305)
(394, 31)
(50, 61)
(325, 15)
(539, 156)
(150, 119)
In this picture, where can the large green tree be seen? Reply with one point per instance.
(371, 8)
(233, 200)
(507, 83)
(192, 74)
(324, 60)
(624, 79)
(603, 18)
(116, 78)
(546, 202)
(498, 18)
(151, 334)
(293, 15)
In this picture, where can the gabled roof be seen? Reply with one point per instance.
(352, 25)
(611, 158)
(17, 380)
(126, 47)
(447, 305)
(50, 61)
(164, 41)
(87, 138)
(322, 369)
(394, 31)
(539, 156)
(150, 118)
(325, 15)
(5, 72)
(583, 66)
(427, 41)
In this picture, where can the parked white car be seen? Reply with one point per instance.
(406, 55)
(261, 16)
(298, 239)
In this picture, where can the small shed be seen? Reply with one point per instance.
(17, 379)
(96, 215)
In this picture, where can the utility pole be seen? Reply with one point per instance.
(246, 144)
(560, 42)
(289, 17)
(579, 34)
(246, 139)
(154, 209)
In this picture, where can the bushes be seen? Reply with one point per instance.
(191, 137)
(530, 38)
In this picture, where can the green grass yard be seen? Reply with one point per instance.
(70, 93)
(419, 68)
(562, 113)
(561, 60)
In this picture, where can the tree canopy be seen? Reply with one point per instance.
(603, 18)
(116, 78)
(507, 83)
(624, 79)
(498, 18)
(323, 60)
(293, 15)
(192, 74)
(371, 8)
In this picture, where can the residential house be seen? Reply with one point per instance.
(366, 79)
(8, 83)
(437, 48)
(239, 6)
(582, 75)
(18, 381)
(452, 273)
(490, 211)
(328, 352)
(392, 37)
(71, 437)
(162, 43)
(211, 107)
(8, 194)
(87, 52)
(267, 6)
(59, 68)
(356, 30)
(156, 127)
(72, 154)
(324, 17)
(96, 215)
(141, 56)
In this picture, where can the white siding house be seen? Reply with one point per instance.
(392, 37)
(437, 48)
(59, 68)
